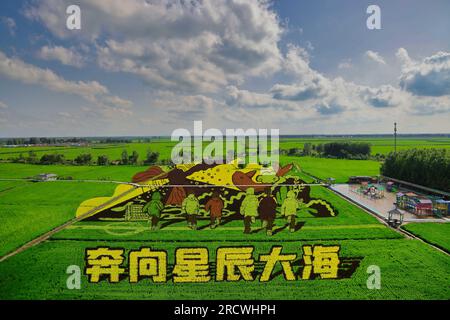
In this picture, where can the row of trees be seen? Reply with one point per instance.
(347, 150)
(427, 167)
(87, 159)
(36, 140)
(75, 140)
(343, 150)
(151, 157)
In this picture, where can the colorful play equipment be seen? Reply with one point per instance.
(391, 187)
(422, 205)
(374, 191)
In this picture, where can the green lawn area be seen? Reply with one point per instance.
(432, 232)
(340, 169)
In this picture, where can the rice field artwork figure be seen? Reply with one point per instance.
(229, 184)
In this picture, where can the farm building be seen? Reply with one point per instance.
(415, 204)
(423, 206)
(46, 177)
(403, 199)
(441, 207)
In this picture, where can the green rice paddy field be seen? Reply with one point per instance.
(435, 233)
(410, 269)
(28, 209)
(164, 146)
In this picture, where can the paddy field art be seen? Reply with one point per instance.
(103, 207)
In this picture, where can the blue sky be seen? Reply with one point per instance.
(147, 67)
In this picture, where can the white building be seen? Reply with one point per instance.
(47, 177)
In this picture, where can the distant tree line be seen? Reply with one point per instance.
(87, 159)
(35, 141)
(341, 150)
(426, 167)
(74, 140)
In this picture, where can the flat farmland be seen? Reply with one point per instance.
(40, 272)
(410, 268)
(378, 145)
(339, 169)
(164, 146)
(117, 173)
(28, 210)
(432, 232)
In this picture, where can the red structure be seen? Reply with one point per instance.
(424, 206)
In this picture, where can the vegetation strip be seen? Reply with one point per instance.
(96, 227)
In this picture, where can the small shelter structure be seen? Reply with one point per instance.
(395, 218)
(46, 177)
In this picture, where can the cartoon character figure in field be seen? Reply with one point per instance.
(214, 206)
(267, 211)
(191, 208)
(289, 209)
(249, 209)
(154, 208)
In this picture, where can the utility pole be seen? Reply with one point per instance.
(395, 138)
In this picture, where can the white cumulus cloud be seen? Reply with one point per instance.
(3, 105)
(429, 77)
(16, 69)
(177, 45)
(68, 57)
(375, 56)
